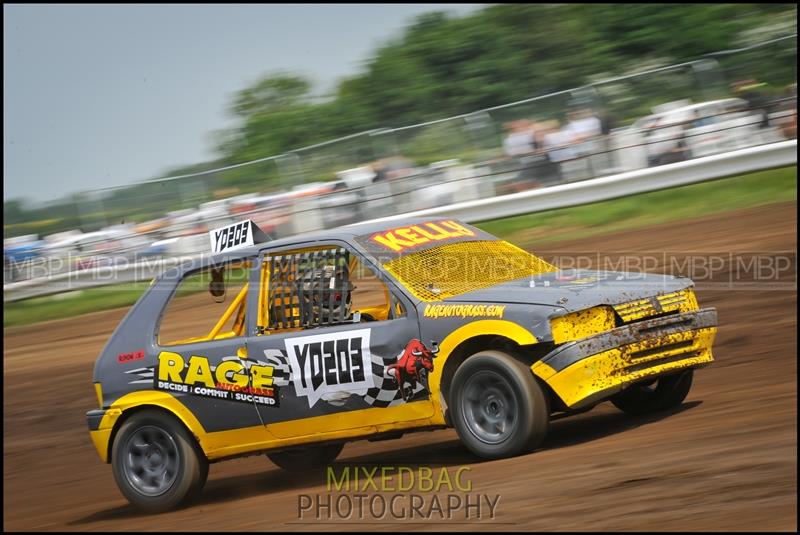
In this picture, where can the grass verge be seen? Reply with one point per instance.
(70, 304)
(646, 209)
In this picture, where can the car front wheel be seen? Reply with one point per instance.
(156, 462)
(497, 407)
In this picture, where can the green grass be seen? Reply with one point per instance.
(754, 189)
(71, 304)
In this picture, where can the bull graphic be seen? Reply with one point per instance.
(412, 367)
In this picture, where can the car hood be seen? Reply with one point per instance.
(576, 289)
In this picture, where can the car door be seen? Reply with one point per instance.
(201, 344)
(333, 328)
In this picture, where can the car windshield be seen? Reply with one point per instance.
(457, 268)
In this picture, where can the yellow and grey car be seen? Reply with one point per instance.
(296, 346)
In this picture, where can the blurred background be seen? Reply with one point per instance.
(131, 130)
(455, 106)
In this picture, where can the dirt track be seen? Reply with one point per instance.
(726, 460)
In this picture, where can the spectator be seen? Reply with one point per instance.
(520, 139)
(605, 157)
(607, 123)
(521, 149)
(557, 142)
(680, 151)
(582, 128)
(787, 116)
(757, 99)
(392, 168)
(650, 135)
(582, 131)
(789, 127)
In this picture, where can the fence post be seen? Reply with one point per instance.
(289, 169)
(709, 78)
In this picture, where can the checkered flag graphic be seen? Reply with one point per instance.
(385, 392)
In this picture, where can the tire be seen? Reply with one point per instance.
(497, 407)
(152, 445)
(307, 457)
(668, 392)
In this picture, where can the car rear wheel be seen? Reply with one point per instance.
(306, 457)
(156, 463)
(497, 407)
(665, 393)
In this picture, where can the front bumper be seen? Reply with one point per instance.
(94, 417)
(591, 369)
(101, 423)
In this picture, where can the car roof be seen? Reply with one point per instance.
(338, 233)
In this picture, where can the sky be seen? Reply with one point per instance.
(104, 95)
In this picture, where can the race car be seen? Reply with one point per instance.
(370, 331)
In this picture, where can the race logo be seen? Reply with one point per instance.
(230, 380)
(402, 238)
(326, 364)
(413, 365)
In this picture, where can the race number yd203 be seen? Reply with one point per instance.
(327, 363)
(231, 237)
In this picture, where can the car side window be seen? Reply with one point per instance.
(371, 296)
(318, 287)
(208, 304)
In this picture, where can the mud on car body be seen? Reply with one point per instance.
(369, 331)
